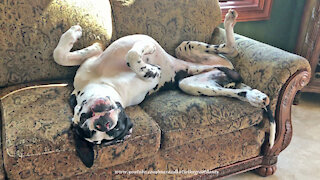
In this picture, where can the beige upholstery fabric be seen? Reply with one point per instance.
(184, 118)
(31, 29)
(37, 141)
(202, 154)
(167, 21)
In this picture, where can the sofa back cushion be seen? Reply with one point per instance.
(31, 29)
(168, 21)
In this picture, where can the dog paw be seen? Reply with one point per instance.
(257, 99)
(230, 19)
(73, 34)
(153, 71)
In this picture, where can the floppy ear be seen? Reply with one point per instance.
(84, 148)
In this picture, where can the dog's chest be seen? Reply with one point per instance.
(129, 86)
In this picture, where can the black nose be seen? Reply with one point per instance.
(103, 123)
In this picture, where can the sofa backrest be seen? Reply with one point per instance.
(168, 21)
(31, 29)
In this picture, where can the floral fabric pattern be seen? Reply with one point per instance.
(184, 118)
(31, 29)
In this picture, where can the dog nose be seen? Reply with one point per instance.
(103, 123)
(103, 127)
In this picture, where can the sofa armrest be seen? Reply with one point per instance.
(262, 66)
(279, 74)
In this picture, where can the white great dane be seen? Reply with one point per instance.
(135, 66)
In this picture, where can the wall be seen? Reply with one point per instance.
(281, 30)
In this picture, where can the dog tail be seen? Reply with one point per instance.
(272, 122)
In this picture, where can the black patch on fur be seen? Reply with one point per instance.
(73, 102)
(242, 94)
(150, 74)
(156, 87)
(189, 47)
(85, 116)
(207, 51)
(208, 46)
(185, 48)
(171, 85)
(232, 74)
(128, 64)
(80, 110)
(82, 94)
(83, 102)
(102, 107)
(188, 42)
(269, 114)
(122, 128)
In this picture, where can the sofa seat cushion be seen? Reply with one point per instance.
(203, 154)
(184, 118)
(37, 141)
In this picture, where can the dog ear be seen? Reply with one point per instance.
(84, 148)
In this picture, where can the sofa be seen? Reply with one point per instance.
(175, 135)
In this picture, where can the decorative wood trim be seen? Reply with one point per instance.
(232, 169)
(249, 10)
(283, 111)
(283, 120)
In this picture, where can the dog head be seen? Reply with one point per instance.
(97, 120)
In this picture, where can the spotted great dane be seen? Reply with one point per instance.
(135, 66)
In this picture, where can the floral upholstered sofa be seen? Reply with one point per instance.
(174, 134)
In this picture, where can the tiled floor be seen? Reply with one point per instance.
(301, 159)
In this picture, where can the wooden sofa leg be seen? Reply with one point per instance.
(269, 166)
(266, 170)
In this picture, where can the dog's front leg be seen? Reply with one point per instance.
(135, 62)
(62, 54)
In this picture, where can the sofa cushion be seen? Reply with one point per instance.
(184, 118)
(169, 22)
(203, 154)
(31, 29)
(37, 142)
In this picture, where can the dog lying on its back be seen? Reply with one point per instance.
(136, 66)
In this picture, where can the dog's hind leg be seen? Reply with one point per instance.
(135, 61)
(62, 54)
(199, 52)
(217, 83)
